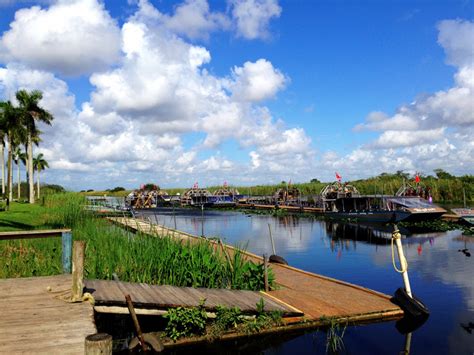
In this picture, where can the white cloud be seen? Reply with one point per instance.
(192, 18)
(70, 37)
(434, 131)
(252, 17)
(257, 81)
(396, 139)
(378, 121)
(456, 37)
(138, 111)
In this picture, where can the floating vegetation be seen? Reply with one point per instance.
(436, 226)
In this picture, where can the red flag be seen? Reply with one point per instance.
(195, 186)
(417, 178)
(338, 177)
(225, 183)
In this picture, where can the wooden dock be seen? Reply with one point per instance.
(162, 297)
(318, 297)
(34, 319)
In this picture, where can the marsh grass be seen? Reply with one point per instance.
(133, 257)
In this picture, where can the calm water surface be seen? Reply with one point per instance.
(440, 275)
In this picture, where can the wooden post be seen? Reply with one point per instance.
(66, 240)
(265, 271)
(100, 343)
(78, 270)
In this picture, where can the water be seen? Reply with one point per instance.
(440, 275)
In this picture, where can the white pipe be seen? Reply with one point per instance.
(403, 261)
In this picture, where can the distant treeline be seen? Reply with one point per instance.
(443, 186)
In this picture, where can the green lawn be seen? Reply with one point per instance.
(23, 216)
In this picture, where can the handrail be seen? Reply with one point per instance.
(36, 233)
(66, 241)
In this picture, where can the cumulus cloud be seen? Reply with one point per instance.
(433, 131)
(249, 19)
(69, 37)
(139, 110)
(396, 139)
(193, 18)
(257, 81)
(456, 37)
(252, 17)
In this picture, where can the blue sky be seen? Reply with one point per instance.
(272, 90)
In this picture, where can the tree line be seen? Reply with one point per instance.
(19, 128)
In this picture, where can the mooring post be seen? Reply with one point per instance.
(66, 241)
(78, 270)
(98, 344)
(265, 272)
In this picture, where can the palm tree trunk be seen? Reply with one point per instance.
(30, 169)
(38, 183)
(2, 161)
(9, 171)
(19, 179)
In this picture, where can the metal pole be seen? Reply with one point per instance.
(407, 343)
(271, 238)
(403, 261)
(202, 220)
(174, 217)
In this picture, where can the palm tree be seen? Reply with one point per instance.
(17, 157)
(24, 159)
(39, 164)
(31, 113)
(11, 122)
(2, 155)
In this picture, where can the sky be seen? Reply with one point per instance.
(243, 91)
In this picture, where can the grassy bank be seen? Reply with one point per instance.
(133, 257)
(23, 216)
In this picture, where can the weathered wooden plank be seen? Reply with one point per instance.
(164, 296)
(34, 320)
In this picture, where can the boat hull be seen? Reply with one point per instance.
(370, 216)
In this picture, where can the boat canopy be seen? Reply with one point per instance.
(410, 202)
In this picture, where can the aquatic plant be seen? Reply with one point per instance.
(334, 337)
(185, 321)
(263, 320)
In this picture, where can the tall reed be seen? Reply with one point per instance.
(133, 257)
